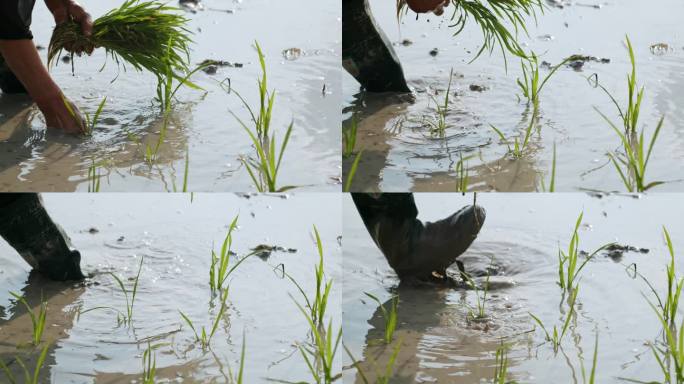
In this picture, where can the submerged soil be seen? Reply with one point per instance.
(175, 236)
(399, 153)
(308, 94)
(518, 247)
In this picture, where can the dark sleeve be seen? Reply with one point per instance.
(15, 19)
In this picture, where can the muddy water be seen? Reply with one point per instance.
(33, 159)
(522, 234)
(400, 157)
(175, 236)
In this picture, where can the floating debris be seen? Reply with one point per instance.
(191, 5)
(211, 66)
(477, 88)
(617, 251)
(434, 52)
(660, 49)
(292, 54)
(93, 230)
(577, 62)
(264, 251)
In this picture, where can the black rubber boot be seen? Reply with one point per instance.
(27, 227)
(413, 249)
(8, 82)
(367, 53)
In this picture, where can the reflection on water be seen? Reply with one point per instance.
(175, 236)
(518, 248)
(484, 93)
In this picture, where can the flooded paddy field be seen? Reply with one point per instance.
(400, 154)
(174, 237)
(438, 339)
(303, 68)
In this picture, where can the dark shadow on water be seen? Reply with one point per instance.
(17, 330)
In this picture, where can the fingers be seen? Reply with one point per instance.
(424, 6)
(58, 116)
(79, 14)
(440, 8)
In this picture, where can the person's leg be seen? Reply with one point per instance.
(27, 227)
(8, 81)
(415, 250)
(367, 54)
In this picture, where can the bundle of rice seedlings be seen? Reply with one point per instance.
(491, 16)
(145, 34)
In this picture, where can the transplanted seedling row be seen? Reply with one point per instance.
(668, 350)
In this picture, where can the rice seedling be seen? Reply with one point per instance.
(669, 305)
(239, 376)
(552, 182)
(517, 151)
(204, 337)
(186, 171)
(93, 178)
(318, 305)
(122, 318)
(670, 355)
(632, 164)
(186, 174)
(531, 83)
(352, 172)
(149, 365)
(28, 377)
(382, 377)
(128, 318)
(569, 266)
(390, 316)
(591, 379)
(145, 34)
(90, 122)
(37, 317)
(438, 125)
(320, 355)
(462, 177)
(349, 137)
(629, 116)
(556, 337)
(491, 16)
(501, 369)
(478, 313)
(670, 352)
(264, 170)
(220, 268)
(167, 89)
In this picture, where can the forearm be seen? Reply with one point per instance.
(22, 58)
(58, 8)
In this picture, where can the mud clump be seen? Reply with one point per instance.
(212, 66)
(616, 251)
(264, 251)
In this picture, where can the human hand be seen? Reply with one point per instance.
(70, 10)
(424, 6)
(61, 113)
